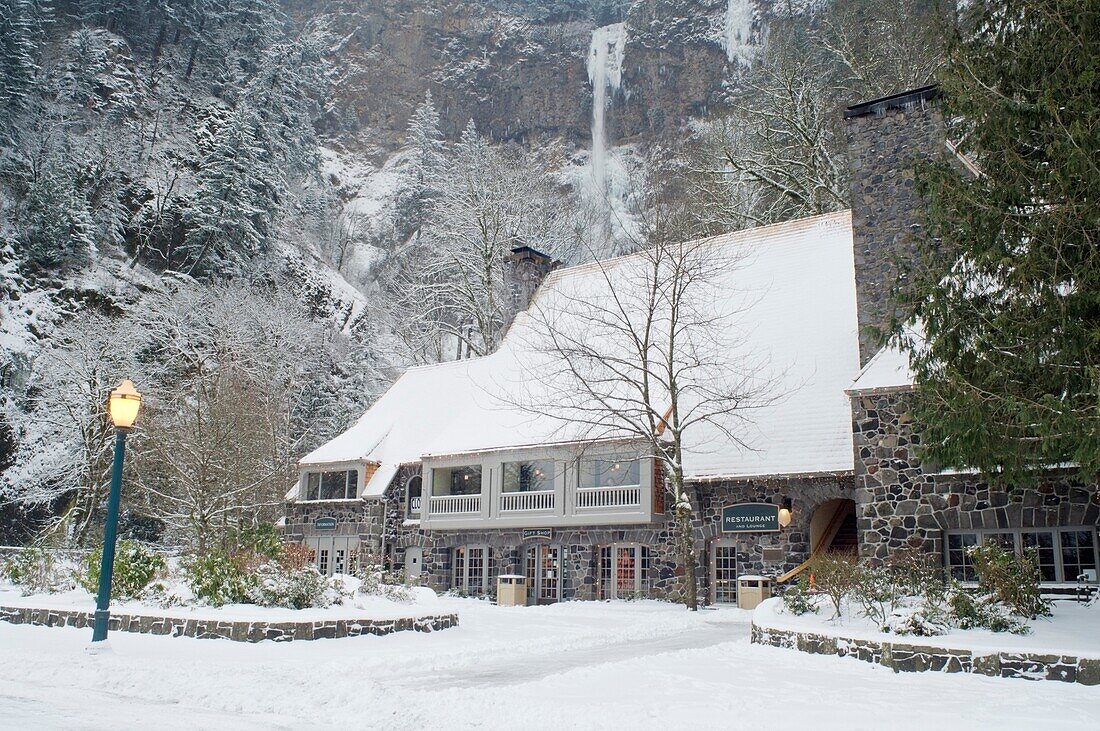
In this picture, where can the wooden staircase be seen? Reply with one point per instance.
(839, 535)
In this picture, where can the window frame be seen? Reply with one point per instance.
(1018, 546)
(409, 510)
(351, 485)
(460, 570)
(550, 478)
(636, 460)
(486, 474)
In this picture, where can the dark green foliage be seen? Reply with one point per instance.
(797, 598)
(262, 539)
(1007, 287)
(1010, 580)
(219, 577)
(135, 568)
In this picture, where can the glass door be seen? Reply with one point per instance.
(543, 571)
(624, 571)
(723, 562)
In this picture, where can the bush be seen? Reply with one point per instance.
(376, 581)
(218, 577)
(797, 599)
(262, 539)
(135, 568)
(981, 612)
(36, 571)
(278, 585)
(923, 621)
(1010, 580)
(836, 575)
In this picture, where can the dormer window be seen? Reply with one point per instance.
(332, 485)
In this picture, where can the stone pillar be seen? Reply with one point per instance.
(886, 139)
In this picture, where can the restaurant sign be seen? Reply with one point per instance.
(537, 534)
(750, 518)
(325, 524)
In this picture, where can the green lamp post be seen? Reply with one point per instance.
(123, 406)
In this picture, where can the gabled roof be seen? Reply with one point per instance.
(799, 278)
(888, 370)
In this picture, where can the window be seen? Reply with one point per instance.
(457, 480)
(958, 560)
(532, 476)
(609, 472)
(340, 485)
(1078, 554)
(413, 492)
(1063, 553)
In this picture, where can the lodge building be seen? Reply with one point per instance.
(445, 479)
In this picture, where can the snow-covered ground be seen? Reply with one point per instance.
(638, 665)
(1072, 629)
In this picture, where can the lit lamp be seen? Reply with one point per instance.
(122, 406)
(785, 512)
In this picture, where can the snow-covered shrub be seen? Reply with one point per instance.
(1010, 580)
(278, 585)
(36, 571)
(982, 611)
(376, 581)
(218, 577)
(136, 566)
(921, 620)
(296, 555)
(797, 599)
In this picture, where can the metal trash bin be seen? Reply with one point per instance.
(751, 590)
(512, 590)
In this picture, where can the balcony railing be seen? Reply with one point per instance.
(599, 498)
(523, 501)
(455, 504)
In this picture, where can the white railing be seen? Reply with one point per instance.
(595, 498)
(520, 501)
(455, 504)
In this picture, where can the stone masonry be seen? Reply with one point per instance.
(901, 503)
(886, 139)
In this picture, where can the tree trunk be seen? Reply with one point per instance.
(685, 539)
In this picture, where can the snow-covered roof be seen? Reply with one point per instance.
(887, 370)
(789, 293)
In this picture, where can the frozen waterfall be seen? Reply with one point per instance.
(605, 70)
(739, 41)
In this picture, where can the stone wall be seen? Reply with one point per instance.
(361, 518)
(885, 142)
(236, 631)
(901, 504)
(905, 657)
(807, 495)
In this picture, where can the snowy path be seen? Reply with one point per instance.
(638, 665)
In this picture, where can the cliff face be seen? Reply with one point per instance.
(520, 69)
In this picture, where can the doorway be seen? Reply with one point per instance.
(624, 571)
(414, 563)
(723, 571)
(334, 554)
(543, 570)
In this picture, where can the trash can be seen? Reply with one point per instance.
(751, 590)
(512, 590)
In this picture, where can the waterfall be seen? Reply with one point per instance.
(739, 18)
(605, 69)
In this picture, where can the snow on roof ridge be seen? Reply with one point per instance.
(717, 239)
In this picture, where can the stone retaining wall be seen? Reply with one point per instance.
(902, 657)
(238, 631)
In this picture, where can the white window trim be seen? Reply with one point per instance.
(1018, 543)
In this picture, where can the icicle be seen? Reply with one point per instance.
(739, 19)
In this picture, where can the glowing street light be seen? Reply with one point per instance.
(123, 406)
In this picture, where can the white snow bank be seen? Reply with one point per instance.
(1074, 629)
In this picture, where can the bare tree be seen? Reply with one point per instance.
(646, 350)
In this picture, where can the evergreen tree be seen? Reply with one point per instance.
(21, 25)
(1007, 287)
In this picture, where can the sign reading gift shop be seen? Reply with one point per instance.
(537, 534)
(750, 518)
(325, 524)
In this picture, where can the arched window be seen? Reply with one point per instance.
(413, 494)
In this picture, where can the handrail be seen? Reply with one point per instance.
(451, 504)
(839, 513)
(534, 500)
(628, 496)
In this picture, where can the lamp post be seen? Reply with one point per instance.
(123, 406)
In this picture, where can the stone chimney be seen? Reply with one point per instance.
(524, 270)
(886, 139)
